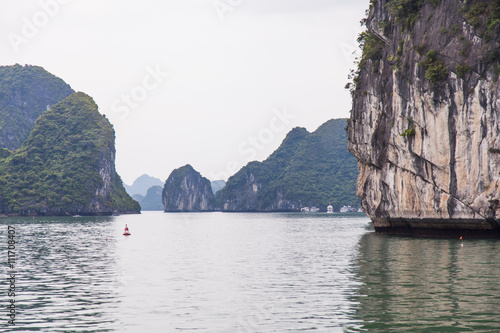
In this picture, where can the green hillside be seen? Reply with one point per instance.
(308, 169)
(66, 165)
(26, 92)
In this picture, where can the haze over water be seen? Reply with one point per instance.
(216, 272)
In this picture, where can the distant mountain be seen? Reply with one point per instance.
(152, 200)
(187, 191)
(142, 184)
(217, 185)
(25, 93)
(308, 169)
(66, 166)
(138, 197)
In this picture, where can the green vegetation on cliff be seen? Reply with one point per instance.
(406, 12)
(308, 169)
(484, 16)
(66, 165)
(372, 47)
(435, 70)
(26, 92)
(465, 43)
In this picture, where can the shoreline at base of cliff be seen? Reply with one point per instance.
(437, 228)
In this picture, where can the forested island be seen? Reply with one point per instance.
(307, 170)
(57, 152)
(57, 157)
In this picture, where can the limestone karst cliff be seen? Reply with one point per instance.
(66, 166)
(307, 169)
(187, 191)
(425, 121)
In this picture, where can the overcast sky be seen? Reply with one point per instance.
(211, 83)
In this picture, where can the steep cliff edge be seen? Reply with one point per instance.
(425, 122)
(66, 166)
(187, 191)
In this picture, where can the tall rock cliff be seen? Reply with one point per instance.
(425, 122)
(25, 93)
(187, 191)
(308, 169)
(66, 166)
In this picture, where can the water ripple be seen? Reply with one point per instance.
(188, 273)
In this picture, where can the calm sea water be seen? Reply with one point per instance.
(216, 272)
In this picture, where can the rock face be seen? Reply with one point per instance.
(25, 93)
(308, 169)
(66, 166)
(425, 122)
(187, 191)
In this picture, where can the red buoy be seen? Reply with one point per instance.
(126, 233)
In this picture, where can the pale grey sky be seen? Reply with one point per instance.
(213, 83)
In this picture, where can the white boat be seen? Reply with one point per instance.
(309, 209)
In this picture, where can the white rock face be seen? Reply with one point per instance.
(445, 172)
(187, 191)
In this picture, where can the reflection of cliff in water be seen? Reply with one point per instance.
(427, 284)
